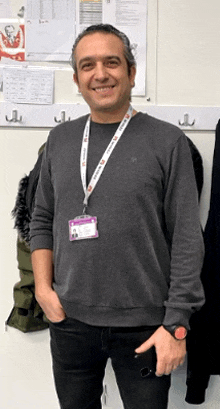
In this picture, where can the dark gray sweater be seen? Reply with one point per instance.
(144, 268)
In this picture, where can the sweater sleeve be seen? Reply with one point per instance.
(185, 235)
(41, 227)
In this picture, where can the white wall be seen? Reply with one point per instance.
(182, 70)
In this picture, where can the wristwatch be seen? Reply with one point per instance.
(179, 332)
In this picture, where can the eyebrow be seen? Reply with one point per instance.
(107, 57)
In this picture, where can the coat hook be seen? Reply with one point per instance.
(186, 121)
(63, 117)
(14, 117)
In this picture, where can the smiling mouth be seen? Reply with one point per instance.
(103, 89)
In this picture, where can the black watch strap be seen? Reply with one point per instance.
(178, 331)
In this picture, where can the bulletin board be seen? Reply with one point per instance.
(44, 31)
(176, 46)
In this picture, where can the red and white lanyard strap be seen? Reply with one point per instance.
(101, 165)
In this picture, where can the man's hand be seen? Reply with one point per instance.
(170, 352)
(50, 304)
(42, 262)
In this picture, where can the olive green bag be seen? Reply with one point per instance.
(26, 314)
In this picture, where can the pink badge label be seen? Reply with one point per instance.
(83, 228)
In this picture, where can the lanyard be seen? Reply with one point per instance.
(101, 165)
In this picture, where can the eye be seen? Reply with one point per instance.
(112, 63)
(87, 66)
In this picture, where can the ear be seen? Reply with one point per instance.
(132, 75)
(75, 79)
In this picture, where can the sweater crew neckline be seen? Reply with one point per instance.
(109, 124)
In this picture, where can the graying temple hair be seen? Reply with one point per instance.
(108, 29)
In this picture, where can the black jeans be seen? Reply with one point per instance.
(80, 353)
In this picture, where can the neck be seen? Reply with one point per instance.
(105, 117)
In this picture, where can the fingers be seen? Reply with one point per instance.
(167, 369)
(57, 321)
(145, 346)
(55, 312)
(56, 316)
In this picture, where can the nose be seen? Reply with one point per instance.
(100, 73)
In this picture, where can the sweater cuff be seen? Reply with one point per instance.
(174, 316)
(41, 242)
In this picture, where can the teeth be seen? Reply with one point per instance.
(103, 89)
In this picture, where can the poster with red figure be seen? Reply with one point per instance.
(12, 41)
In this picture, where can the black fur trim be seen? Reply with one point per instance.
(20, 211)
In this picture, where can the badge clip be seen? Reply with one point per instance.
(85, 207)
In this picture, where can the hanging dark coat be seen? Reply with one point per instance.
(203, 347)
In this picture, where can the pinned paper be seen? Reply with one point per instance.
(28, 85)
(50, 29)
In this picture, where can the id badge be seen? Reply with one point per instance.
(83, 227)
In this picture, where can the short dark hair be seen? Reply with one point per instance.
(107, 29)
(9, 25)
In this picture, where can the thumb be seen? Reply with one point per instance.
(145, 346)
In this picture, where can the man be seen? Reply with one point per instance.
(129, 283)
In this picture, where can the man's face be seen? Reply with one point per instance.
(9, 30)
(102, 75)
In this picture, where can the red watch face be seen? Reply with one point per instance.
(180, 333)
